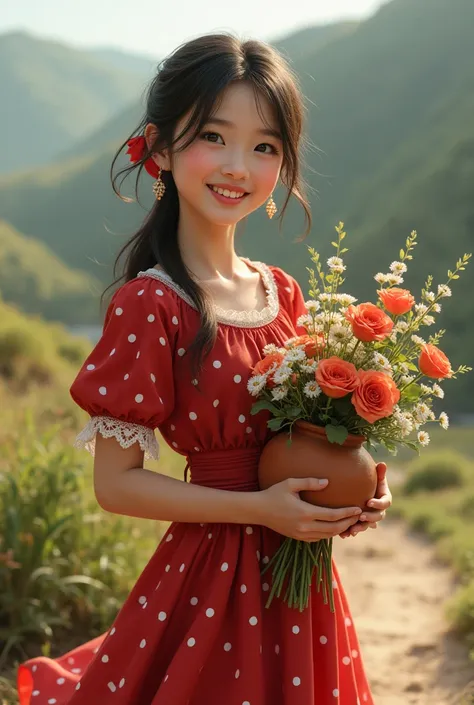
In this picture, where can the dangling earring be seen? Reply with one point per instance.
(271, 207)
(158, 187)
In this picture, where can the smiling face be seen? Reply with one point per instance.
(233, 165)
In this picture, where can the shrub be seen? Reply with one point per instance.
(437, 472)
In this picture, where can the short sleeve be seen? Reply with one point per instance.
(126, 383)
(291, 297)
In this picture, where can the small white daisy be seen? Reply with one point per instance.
(271, 348)
(336, 264)
(346, 299)
(425, 389)
(417, 340)
(305, 320)
(401, 326)
(437, 391)
(309, 366)
(339, 333)
(428, 321)
(381, 362)
(324, 297)
(398, 267)
(437, 308)
(312, 305)
(421, 309)
(444, 420)
(423, 438)
(294, 355)
(282, 374)
(279, 393)
(444, 290)
(256, 384)
(394, 279)
(429, 296)
(407, 379)
(381, 278)
(312, 389)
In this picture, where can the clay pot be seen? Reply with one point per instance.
(349, 468)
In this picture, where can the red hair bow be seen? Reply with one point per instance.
(137, 149)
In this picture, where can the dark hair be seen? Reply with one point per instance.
(192, 80)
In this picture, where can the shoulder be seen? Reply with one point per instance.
(286, 284)
(143, 295)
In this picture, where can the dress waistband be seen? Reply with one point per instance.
(232, 469)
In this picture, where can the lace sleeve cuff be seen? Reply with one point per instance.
(126, 434)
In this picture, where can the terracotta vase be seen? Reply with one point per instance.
(349, 468)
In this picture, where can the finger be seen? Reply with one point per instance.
(358, 529)
(382, 503)
(381, 469)
(300, 484)
(333, 528)
(330, 514)
(372, 516)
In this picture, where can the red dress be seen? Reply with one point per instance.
(194, 629)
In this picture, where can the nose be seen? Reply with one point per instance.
(236, 166)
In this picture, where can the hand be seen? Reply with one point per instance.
(381, 502)
(282, 510)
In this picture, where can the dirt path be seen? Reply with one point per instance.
(396, 592)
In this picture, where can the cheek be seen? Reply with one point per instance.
(266, 173)
(196, 162)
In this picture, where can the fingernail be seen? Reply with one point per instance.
(363, 517)
(371, 504)
(357, 510)
(323, 482)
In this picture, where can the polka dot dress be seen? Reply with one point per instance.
(194, 629)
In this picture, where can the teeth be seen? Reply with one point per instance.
(226, 192)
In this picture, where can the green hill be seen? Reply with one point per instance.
(36, 281)
(390, 112)
(52, 95)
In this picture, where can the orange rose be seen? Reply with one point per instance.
(263, 366)
(375, 396)
(396, 301)
(312, 345)
(433, 362)
(369, 322)
(336, 377)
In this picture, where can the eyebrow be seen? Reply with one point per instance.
(267, 131)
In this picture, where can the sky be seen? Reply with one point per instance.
(156, 27)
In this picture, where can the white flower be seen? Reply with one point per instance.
(406, 426)
(403, 368)
(429, 296)
(279, 393)
(417, 340)
(309, 366)
(401, 327)
(256, 384)
(393, 336)
(437, 391)
(381, 278)
(423, 438)
(444, 290)
(428, 321)
(312, 389)
(336, 264)
(394, 279)
(305, 320)
(336, 318)
(437, 308)
(421, 412)
(312, 305)
(282, 374)
(421, 309)
(425, 389)
(294, 355)
(324, 297)
(345, 299)
(382, 363)
(407, 379)
(271, 348)
(339, 333)
(398, 267)
(444, 420)
(291, 341)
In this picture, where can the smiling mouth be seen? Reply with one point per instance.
(228, 193)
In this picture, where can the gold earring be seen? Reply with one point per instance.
(271, 207)
(159, 188)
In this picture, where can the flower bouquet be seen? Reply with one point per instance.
(357, 376)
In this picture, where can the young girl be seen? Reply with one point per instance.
(222, 128)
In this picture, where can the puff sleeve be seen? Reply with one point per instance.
(126, 383)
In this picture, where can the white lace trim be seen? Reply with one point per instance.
(126, 434)
(232, 317)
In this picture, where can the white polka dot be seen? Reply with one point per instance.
(118, 311)
(60, 681)
(150, 318)
(142, 599)
(126, 376)
(162, 616)
(112, 631)
(35, 692)
(346, 660)
(169, 538)
(105, 658)
(246, 702)
(277, 649)
(103, 391)
(348, 622)
(265, 559)
(76, 670)
(354, 653)
(335, 692)
(296, 681)
(112, 352)
(132, 338)
(237, 379)
(197, 449)
(140, 292)
(258, 555)
(144, 605)
(153, 378)
(215, 402)
(217, 364)
(287, 288)
(253, 621)
(295, 629)
(224, 567)
(162, 341)
(168, 568)
(364, 697)
(174, 320)
(174, 444)
(142, 643)
(33, 668)
(112, 686)
(78, 685)
(248, 430)
(209, 536)
(52, 701)
(181, 352)
(191, 641)
(181, 567)
(242, 418)
(122, 683)
(90, 367)
(249, 530)
(265, 587)
(323, 639)
(159, 292)
(210, 612)
(139, 398)
(70, 660)
(334, 584)
(173, 427)
(227, 646)
(243, 588)
(194, 600)
(137, 355)
(237, 673)
(193, 416)
(165, 678)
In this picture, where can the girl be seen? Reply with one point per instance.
(222, 127)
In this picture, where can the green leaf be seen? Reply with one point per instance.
(264, 404)
(275, 424)
(336, 434)
(293, 411)
(412, 393)
(402, 254)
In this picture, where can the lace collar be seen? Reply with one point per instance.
(232, 317)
